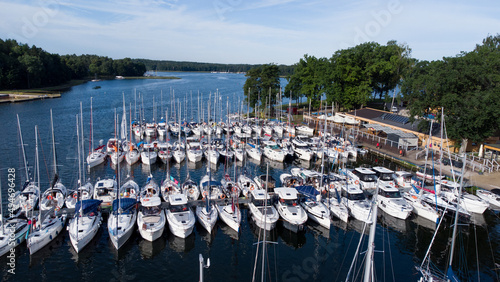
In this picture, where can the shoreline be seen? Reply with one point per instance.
(50, 92)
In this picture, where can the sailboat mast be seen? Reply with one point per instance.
(368, 273)
(83, 145)
(91, 133)
(265, 218)
(455, 225)
(78, 150)
(38, 175)
(53, 143)
(22, 149)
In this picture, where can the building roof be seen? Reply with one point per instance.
(393, 120)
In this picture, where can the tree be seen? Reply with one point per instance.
(467, 86)
(262, 84)
(308, 79)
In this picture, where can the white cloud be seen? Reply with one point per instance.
(279, 31)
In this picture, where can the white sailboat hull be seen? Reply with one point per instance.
(83, 230)
(120, 232)
(41, 238)
(230, 217)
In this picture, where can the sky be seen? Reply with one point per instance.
(244, 31)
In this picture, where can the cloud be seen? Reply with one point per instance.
(279, 31)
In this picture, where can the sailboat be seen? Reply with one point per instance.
(13, 230)
(84, 191)
(429, 274)
(96, 156)
(84, 225)
(230, 212)
(27, 198)
(206, 212)
(55, 195)
(122, 218)
(190, 189)
(169, 186)
(53, 221)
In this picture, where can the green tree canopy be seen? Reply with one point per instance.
(308, 79)
(467, 86)
(262, 84)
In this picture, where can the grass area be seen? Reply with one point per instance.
(151, 77)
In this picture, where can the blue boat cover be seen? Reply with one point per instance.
(125, 204)
(88, 206)
(307, 190)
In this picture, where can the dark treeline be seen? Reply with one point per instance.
(154, 65)
(25, 67)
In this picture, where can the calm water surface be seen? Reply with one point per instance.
(317, 254)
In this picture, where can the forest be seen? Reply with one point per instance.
(160, 65)
(25, 67)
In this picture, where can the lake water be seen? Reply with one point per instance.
(317, 254)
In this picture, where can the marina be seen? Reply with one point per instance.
(308, 250)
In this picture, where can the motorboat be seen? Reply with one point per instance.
(179, 216)
(403, 180)
(355, 201)
(289, 209)
(151, 218)
(364, 177)
(385, 176)
(492, 197)
(96, 157)
(389, 200)
(105, 190)
(305, 129)
(264, 214)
